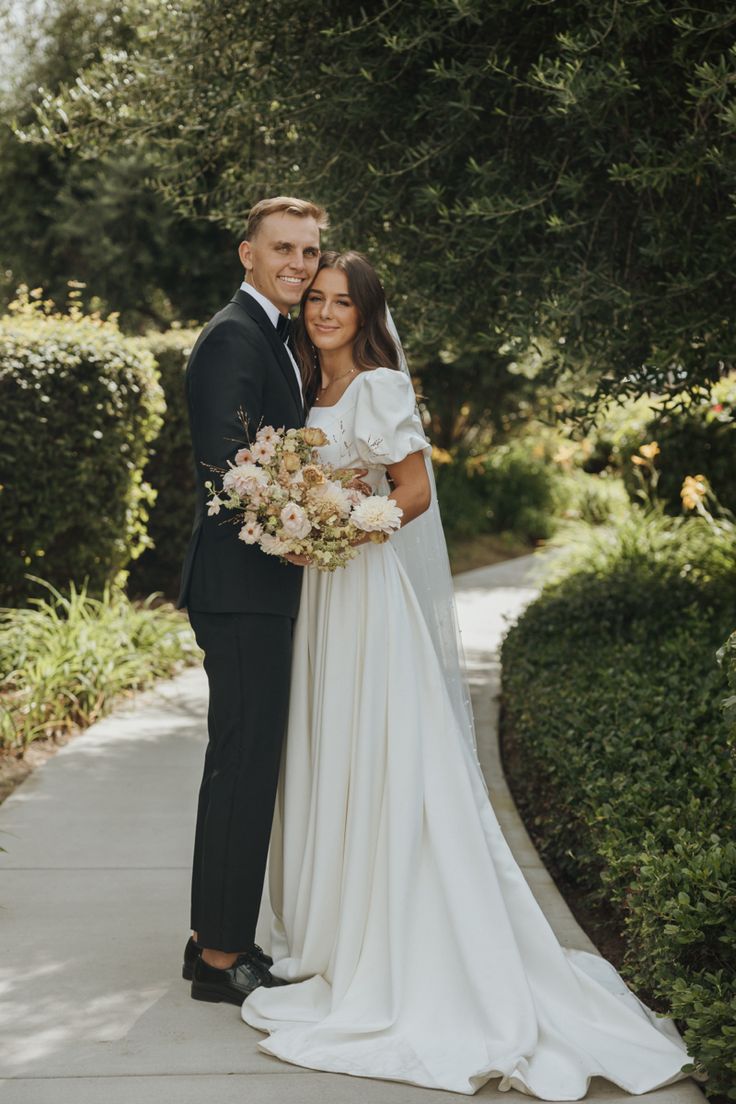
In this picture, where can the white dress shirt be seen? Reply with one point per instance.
(273, 315)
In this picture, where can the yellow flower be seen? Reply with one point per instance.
(638, 460)
(440, 455)
(314, 437)
(475, 465)
(291, 462)
(650, 451)
(313, 475)
(693, 491)
(563, 456)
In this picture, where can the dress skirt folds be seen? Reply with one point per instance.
(414, 945)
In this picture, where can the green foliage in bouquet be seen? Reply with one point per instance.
(170, 472)
(66, 657)
(619, 756)
(81, 404)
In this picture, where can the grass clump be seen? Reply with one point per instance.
(66, 657)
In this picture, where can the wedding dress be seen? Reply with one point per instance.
(415, 947)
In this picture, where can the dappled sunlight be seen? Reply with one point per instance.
(485, 615)
(47, 1010)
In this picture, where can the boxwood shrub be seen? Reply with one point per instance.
(506, 490)
(80, 403)
(619, 758)
(170, 472)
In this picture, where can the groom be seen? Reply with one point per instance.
(241, 602)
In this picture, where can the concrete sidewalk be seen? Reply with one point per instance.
(95, 906)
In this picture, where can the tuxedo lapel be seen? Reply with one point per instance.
(257, 313)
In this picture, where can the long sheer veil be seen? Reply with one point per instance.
(422, 549)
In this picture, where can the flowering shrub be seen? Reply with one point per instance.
(80, 405)
(700, 438)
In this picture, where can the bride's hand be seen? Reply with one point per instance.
(356, 482)
(300, 561)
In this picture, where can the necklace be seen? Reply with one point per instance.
(335, 380)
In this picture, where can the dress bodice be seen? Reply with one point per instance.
(373, 424)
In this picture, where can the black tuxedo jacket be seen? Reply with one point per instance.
(238, 361)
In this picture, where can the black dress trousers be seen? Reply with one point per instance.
(247, 658)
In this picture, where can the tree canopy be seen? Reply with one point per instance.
(95, 221)
(523, 172)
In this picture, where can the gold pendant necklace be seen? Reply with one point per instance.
(335, 380)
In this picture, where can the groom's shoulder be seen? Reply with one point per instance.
(232, 317)
(230, 324)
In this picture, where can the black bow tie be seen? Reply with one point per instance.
(283, 328)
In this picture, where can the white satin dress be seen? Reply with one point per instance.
(415, 947)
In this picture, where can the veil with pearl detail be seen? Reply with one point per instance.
(422, 549)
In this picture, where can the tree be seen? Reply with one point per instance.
(96, 221)
(521, 169)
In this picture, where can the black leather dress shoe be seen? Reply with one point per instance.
(192, 952)
(232, 985)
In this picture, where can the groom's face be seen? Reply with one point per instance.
(282, 257)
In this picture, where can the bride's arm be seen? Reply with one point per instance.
(411, 490)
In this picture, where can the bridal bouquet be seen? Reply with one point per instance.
(285, 501)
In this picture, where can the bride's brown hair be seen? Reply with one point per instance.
(373, 346)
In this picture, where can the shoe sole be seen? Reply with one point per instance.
(213, 995)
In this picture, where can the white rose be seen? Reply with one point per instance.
(295, 521)
(377, 514)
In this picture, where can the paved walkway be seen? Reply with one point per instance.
(94, 909)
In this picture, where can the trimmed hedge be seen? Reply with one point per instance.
(80, 403)
(619, 759)
(170, 472)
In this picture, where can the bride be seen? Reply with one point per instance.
(414, 946)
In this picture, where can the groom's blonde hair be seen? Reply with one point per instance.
(289, 204)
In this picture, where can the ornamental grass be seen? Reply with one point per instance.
(66, 657)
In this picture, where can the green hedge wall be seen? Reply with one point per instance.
(80, 405)
(170, 472)
(619, 758)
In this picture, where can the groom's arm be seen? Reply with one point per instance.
(226, 375)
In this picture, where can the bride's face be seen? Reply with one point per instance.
(330, 316)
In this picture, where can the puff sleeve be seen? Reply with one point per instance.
(387, 426)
